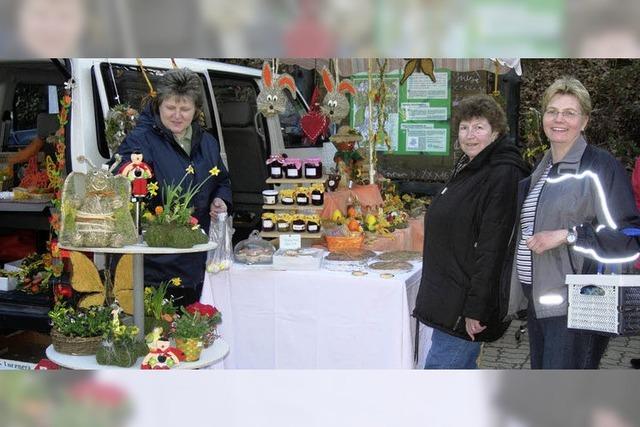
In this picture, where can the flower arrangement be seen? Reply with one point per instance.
(120, 120)
(36, 272)
(195, 320)
(172, 224)
(56, 167)
(192, 326)
(120, 345)
(158, 309)
(90, 322)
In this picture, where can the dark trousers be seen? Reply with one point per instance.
(554, 346)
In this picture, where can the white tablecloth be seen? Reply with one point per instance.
(315, 319)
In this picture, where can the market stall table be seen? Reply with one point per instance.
(315, 319)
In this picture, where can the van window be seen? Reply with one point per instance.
(29, 100)
(125, 84)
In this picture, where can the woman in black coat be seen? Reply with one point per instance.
(467, 232)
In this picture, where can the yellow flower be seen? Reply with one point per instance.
(190, 170)
(148, 216)
(152, 188)
(214, 171)
(176, 281)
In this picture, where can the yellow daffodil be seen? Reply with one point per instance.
(190, 170)
(214, 171)
(148, 216)
(176, 281)
(152, 188)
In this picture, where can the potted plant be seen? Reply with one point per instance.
(159, 309)
(78, 331)
(190, 328)
(120, 344)
(171, 224)
(214, 317)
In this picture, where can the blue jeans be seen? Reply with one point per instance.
(554, 346)
(449, 352)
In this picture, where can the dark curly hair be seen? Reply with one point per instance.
(181, 83)
(481, 106)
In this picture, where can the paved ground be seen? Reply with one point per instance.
(508, 353)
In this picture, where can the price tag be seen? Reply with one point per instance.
(290, 241)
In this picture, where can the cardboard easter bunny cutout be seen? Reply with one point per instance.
(272, 100)
(335, 104)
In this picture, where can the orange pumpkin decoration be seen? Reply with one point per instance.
(351, 212)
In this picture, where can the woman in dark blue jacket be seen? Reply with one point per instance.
(467, 232)
(171, 140)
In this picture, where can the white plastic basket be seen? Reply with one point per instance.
(606, 303)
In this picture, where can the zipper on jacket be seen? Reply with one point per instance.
(533, 230)
(457, 324)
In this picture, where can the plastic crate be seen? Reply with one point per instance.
(605, 303)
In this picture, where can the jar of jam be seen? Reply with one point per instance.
(317, 197)
(302, 199)
(313, 227)
(268, 224)
(276, 166)
(313, 168)
(299, 226)
(286, 198)
(283, 225)
(293, 168)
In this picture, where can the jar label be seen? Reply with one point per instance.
(292, 173)
(267, 223)
(276, 170)
(269, 200)
(310, 171)
(316, 197)
(312, 227)
(298, 227)
(288, 200)
(283, 225)
(302, 199)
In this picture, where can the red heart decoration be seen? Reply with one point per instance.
(314, 124)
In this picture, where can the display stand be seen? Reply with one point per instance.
(209, 356)
(138, 251)
(295, 207)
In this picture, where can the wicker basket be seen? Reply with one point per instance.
(344, 243)
(76, 346)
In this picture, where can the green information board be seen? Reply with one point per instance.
(418, 112)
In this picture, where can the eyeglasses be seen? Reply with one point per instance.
(566, 114)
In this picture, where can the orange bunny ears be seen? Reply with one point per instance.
(284, 81)
(343, 87)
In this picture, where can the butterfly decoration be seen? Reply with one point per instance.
(86, 279)
(424, 65)
(272, 99)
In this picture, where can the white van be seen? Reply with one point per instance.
(30, 89)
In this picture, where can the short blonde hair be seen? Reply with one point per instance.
(568, 86)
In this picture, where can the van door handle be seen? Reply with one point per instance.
(259, 129)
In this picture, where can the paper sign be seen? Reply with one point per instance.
(290, 241)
